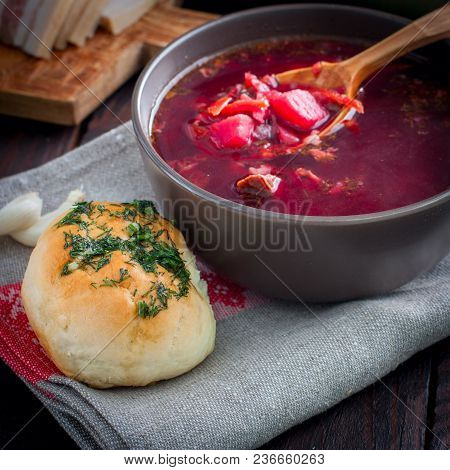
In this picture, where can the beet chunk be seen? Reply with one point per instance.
(298, 108)
(244, 105)
(233, 132)
(252, 81)
(285, 136)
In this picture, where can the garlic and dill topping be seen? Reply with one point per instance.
(144, 243)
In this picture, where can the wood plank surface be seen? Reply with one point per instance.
(25, 144)
(439, 406)
(73, 82)
(374, 418)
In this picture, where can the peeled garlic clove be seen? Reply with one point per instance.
(20, 213)
(29, 236)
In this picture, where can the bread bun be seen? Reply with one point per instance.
(114, 296)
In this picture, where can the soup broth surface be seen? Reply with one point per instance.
(394, 154)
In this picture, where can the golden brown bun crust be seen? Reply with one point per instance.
(94, 334)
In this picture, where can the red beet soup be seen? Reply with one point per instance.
(229, 127)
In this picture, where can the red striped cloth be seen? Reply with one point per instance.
(20, 348)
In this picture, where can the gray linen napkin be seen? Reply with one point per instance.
(275, 364)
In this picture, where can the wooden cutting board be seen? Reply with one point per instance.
(69, 86)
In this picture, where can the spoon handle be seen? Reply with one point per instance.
(425, 30)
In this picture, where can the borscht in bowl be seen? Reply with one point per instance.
(271, 202)
(228, 127)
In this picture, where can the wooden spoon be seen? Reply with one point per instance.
(350, 73)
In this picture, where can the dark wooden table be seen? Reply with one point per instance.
(371, 419)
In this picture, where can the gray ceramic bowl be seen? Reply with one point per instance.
(317, 259)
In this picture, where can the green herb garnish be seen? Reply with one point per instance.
(143, 246)
(145, 208)
(123, 275)
(74, 216)
(93, 252)
(147, 310)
